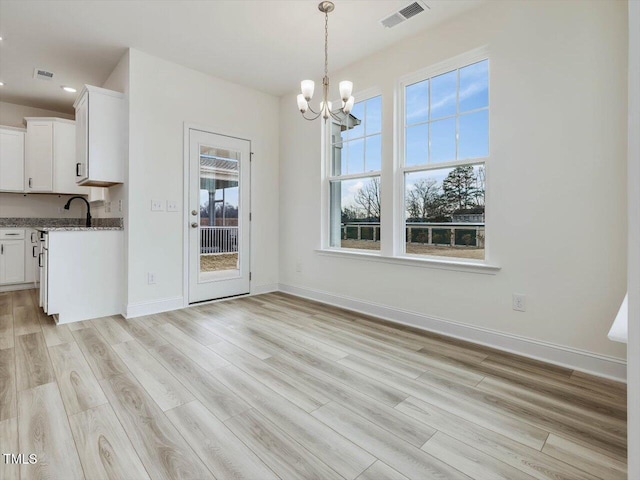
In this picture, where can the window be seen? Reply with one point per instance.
(354, 180)
(446, 147)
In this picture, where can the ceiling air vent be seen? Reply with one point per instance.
(403, 14)
(41, 74)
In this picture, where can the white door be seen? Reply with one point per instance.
(218, 215)
(11, 160)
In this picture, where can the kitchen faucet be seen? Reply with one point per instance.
(66, 207)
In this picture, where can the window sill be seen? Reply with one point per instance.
(454, 265)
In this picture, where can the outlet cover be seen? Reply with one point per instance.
(151, 278)
(172, 206)
(519, 302)
(157, 205)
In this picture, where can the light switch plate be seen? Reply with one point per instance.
(172, 206)
(157, 206)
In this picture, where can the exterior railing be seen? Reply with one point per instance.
(218, 240)
(444, 233)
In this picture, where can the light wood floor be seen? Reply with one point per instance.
(277, 387)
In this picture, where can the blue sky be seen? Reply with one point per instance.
(428, 104)
(432, 99)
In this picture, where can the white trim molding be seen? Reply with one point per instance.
(261, 289)
(582, 360)
(17, 286)
(156, 306)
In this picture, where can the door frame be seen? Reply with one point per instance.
(186, 165)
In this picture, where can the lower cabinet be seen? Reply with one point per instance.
(19, 250)
(82, 274)
(12, 256)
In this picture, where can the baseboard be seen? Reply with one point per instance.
(582, 360)
(260, 289)
(17, 286)
(156, 306)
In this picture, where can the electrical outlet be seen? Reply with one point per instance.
(519, 302)
(172, 206)
(107, 207)
(299, 267)
(151, 278)
(157, 206)
(120, 205)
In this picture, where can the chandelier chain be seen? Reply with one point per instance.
(326, 44)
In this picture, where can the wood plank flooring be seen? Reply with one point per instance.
(277, 387)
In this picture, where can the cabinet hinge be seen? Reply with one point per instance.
(249, 275)
(251, 156)
(250, 217)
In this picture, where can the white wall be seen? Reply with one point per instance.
(12, 115)
(17, 205)
(557, 206)
(633, 379)
(118, 81)
(162, 97)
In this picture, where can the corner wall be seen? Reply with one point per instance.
(557, 201)
(163, 97)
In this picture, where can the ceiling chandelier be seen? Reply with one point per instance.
(307, 86)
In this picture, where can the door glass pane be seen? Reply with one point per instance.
(219, 210)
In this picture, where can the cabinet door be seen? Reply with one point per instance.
(11, 160)
(82, 138)
(64, 159)
(31, 256)
(12, 261)
(39, 156)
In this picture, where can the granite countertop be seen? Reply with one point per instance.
(76, 229)
(61, 224)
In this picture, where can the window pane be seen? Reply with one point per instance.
(417, 145)
(373, 153)
(373, 118)
(355, 213)
(474, 86)
(355, 156)
(443, 140)
(338, 159)
(444, 212)
(417, 102)
(357, 131)
(474, 135)
(443, 94)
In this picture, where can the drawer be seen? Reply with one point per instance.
(11, 234)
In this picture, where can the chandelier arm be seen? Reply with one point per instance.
(312, 118)
(337, 117)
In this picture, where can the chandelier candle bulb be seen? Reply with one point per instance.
(307, 87)
(349, 105)
(346, 87)
(303, 105)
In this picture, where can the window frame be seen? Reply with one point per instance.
(392, 248)
(400, 169)
(328, 177)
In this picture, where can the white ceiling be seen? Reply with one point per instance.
(267, 45)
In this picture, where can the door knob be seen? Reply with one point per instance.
(194, 225)
(194, 212)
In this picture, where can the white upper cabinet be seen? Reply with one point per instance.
(50, 156)
(39, 155)
(101, 118)
(11, 159)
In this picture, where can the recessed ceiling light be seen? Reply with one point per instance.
(69, 89)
